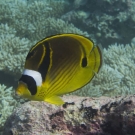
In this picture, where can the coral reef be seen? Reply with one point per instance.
(79, 116)
(30, 21)
(7, 103)
(26, 24)
(13, 50)
(117, 76)
(106, 22)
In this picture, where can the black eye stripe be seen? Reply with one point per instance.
(31, 83)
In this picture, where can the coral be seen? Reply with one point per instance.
(117, 76)
(33, 23)
(52, 26)
(7, 103)
(13, 50)
(133, 41)
(78, 116)
(35, 20)
(100, 19)
(23, 23)
(106, 20)
(22, 26)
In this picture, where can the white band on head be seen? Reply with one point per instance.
(35, 74)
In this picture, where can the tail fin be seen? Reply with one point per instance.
(95, 59)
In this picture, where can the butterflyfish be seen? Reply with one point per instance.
(58, 65)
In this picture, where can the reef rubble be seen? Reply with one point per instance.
(78, 116)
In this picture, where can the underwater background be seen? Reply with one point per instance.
(108, 23)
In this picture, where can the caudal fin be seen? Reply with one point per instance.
(95, 59)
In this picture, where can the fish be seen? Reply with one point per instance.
(58, 65)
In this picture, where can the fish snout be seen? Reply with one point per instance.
(20, 89)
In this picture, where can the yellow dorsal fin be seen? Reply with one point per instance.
(54, 100)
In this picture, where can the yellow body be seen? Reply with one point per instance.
(73, 62)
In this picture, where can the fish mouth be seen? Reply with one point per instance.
(19, 89)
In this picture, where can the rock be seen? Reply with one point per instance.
(78, 116)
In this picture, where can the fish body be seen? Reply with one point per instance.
(58, 65)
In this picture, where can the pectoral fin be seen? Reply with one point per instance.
(54, 100)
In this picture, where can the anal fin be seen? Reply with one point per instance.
(54, 100)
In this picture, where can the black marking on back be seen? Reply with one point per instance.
(43, 68)
(31, 84)
(84, 62)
